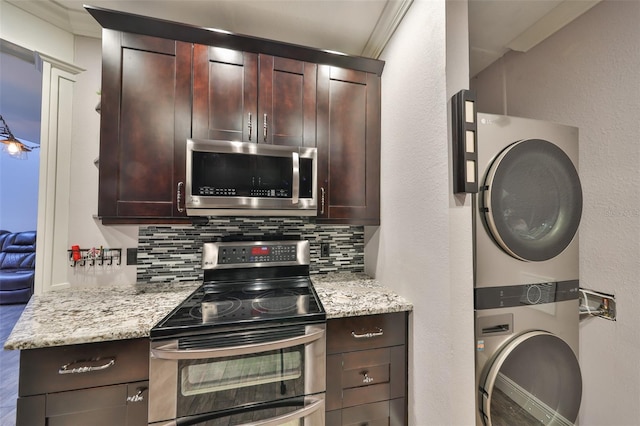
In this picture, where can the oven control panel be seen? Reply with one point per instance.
(257, 254)
(254, 253)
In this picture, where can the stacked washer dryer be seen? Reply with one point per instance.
(526, 217)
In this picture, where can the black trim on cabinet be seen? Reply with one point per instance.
(139, 24)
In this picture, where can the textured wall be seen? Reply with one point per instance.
(423, 247)
(587, 76)
(174, 253)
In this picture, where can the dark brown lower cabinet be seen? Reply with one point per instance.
(91, 384)
(124, 404)
(367, 370)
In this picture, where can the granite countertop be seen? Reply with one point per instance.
(350, 295)
(94, 314)
(85, 315)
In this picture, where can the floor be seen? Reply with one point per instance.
(9, 364)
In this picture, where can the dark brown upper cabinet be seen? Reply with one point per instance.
(145, 121)
(164, 82)
(250, 97)
(348, 146)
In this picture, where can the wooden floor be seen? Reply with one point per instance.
(9, 365)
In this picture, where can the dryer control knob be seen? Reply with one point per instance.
(534, 294)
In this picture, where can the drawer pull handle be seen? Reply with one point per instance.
(367, 379)
(368, 335)
(138, 396)
(69, 369)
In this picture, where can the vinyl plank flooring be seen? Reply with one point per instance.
(9, 366)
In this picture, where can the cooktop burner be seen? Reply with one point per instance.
(272, 289)
(224, 305)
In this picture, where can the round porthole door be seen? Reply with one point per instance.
(535, 379)
(532, 201)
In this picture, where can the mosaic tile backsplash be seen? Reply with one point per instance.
(173, 253)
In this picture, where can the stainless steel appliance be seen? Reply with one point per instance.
(527, 370)
(529, 206)
(241, 178)
(247, 347)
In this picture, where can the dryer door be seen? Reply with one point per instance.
(532, 200)
(535, 379)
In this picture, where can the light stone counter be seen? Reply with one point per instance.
(349, 295)
(95, 314)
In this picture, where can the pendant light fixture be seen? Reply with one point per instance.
(12, 146)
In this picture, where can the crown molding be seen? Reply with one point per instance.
(390, 18)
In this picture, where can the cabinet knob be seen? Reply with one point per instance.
(367, 379)
(138, 396)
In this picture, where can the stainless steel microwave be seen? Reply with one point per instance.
(227, 178)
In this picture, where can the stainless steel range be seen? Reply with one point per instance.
(247, 347)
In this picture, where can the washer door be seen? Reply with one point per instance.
(535, 379)
(533, 200)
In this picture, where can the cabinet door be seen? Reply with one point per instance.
(348, 146)
(145, 121)
(242, 96)
(225, 94)
(287, 102)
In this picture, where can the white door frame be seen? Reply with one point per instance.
(52, 264)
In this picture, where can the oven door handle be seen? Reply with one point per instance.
(316, 404)
(170, 351)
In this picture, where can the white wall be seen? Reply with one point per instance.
(423, 247)
(33, 33)
(587, 75)
(86, 230)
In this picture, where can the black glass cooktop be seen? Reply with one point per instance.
(221, 305)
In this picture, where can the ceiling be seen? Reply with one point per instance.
(355, 27)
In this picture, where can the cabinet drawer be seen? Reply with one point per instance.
(370, 414)
(365, 395)
(376, 414)
(366, 332)
(366, 368)
(388, 413)
(63, 407)
(385, 379)
(62, 368)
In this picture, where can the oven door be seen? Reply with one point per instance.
(239, 375)
(304, 411)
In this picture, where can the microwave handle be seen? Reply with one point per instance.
(295, 196)
(170, 350)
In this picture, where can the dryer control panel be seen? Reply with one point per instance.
(525, 294)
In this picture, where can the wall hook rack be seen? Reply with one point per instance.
(94, 256)
(597, 304)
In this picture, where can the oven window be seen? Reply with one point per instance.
(241, 372)
(214, 384)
